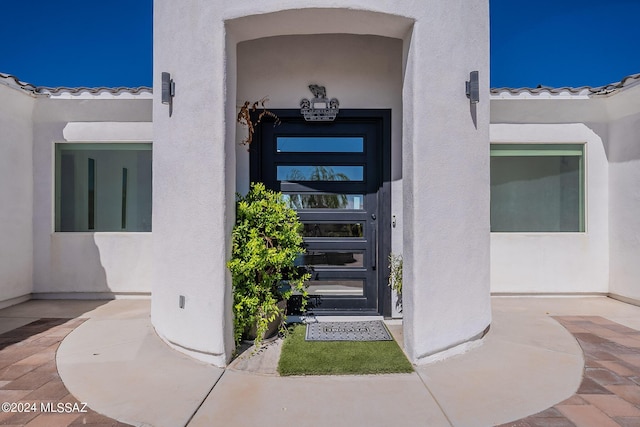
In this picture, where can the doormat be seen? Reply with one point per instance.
(370, 330)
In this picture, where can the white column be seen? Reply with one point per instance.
(446, 181)
(193, 197)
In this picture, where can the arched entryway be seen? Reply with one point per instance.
(411, 59)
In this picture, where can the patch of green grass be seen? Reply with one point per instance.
(300, 357)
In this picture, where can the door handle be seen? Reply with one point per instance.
(374, 248)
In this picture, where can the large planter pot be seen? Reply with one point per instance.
(273, 326)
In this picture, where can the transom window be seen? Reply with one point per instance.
(537, 188)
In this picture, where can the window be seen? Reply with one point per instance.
(537, 187)
(319, 144)
(103, 187)
(319, 173)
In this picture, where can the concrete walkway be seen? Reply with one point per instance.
(527, 363)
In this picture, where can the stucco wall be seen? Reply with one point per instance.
(445, 180)
(557, 262)
(190, 196)
(16, 193)
(446, 226)
(624, 212)
(72, 264)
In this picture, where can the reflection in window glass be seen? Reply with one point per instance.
(331, 259)
(103, 187)
(336, 287)
(124, 198)
(333, 230)
(328, 144)
(319, 173)
(91, 194)
(299, 201)
(537, 188)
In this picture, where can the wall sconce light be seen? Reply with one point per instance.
(168, 91)
(473, 88)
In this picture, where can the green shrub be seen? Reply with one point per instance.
(266, 242)
(395, 277)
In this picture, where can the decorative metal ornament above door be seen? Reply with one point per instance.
(319, 109)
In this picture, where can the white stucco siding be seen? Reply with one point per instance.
(95, 263)
(445, 218)
(557, 262)
(85, 264)
(624, 188)
(109, 131)
(446, 180)
(246, 20)
(560, 110)
(193, 194)
(16, 193)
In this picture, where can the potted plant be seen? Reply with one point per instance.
(266, 242)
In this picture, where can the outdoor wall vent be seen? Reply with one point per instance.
(473, 88)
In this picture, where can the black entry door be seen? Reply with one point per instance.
(333, 174)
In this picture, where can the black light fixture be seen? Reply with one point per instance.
(473, 88)
(168, 91)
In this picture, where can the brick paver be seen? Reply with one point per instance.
(609, 395)
(28, 376)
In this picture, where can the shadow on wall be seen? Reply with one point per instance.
(623, 140)
(105, 263)
(619, 138)
(473, 110)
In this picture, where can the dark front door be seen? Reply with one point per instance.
(336, 176)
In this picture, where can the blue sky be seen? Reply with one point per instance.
(563, 42)
(109, 42)
(77, 42)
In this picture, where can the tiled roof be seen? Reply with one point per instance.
(539, 92)
(93, 90)
(545, 92)
(12, 81)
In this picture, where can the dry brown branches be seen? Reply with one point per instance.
(245, 117)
